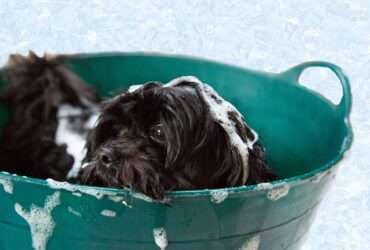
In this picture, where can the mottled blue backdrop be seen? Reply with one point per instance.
(268, 35)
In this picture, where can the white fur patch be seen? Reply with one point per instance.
(74, 140)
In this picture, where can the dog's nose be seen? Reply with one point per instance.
(106, 158)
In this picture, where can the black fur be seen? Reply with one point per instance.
(157, 139)
(36, 88)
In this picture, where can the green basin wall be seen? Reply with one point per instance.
(305, 137)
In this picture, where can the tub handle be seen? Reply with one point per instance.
(344, 106)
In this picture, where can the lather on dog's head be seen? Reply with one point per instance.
(159, 138)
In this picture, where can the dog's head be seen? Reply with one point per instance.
(158, 138)
(39, 85)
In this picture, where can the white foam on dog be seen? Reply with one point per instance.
(160, 238)
(7, 185)
(133, 88)
(40, 220)
(220, 111)
(74, 141)
(252, 244)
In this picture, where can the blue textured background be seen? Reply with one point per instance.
(269, 35)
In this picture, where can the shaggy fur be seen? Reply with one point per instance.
(36, 88)
(157, 139)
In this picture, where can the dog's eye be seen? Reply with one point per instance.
(156, 133)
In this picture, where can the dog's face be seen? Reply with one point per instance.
(159, 138)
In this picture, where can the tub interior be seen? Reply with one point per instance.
(300, 130)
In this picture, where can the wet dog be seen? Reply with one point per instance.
(183, 135)
(51, 110)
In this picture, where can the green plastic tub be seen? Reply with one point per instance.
(305, 136)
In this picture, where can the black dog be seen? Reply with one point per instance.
(179, 136)
(51, 110)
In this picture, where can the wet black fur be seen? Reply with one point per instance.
(191, 152)
(35, 88)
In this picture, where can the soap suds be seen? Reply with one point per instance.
(40, 220)
(7, 185)
(278, 192)
(252, 243)
(116, 199)
(77, 194)
(141, 196)
(264, 186)
(160, 238)
(99, 194)
(133, 88)
(74, 212)
(108, 213)
(72, 131)
(218, 196)
(119, 199)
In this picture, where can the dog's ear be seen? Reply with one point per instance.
(77, 84)
(96, 136)
(50, 75)
(209, 160)
(16, 59)
(103, 127)
(258, 169)
(102, 131)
